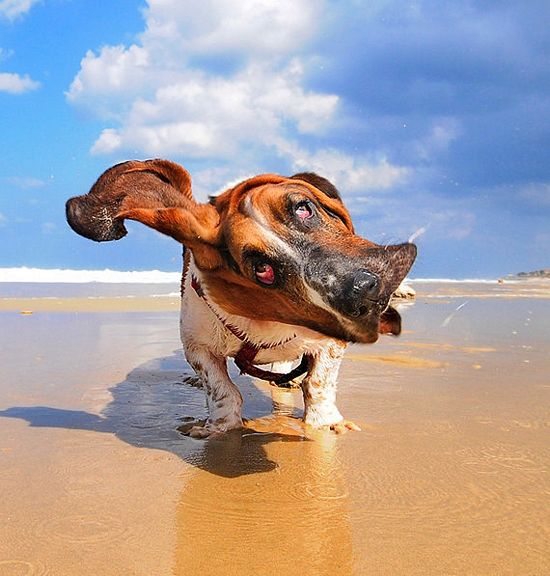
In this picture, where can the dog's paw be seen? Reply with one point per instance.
(343, 426)
(203, 432)
(290, 385)
(189, 424)
(201, 429)
(193, 380)
(340, 427)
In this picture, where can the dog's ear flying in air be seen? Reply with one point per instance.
(154, 192)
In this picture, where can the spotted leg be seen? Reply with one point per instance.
(319, 390)
(223, 398)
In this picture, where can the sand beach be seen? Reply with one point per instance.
(449, 476)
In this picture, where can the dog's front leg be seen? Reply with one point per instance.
(223, 398)
(319, 389)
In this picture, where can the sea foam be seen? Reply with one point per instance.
(67, 276)
(107, 276)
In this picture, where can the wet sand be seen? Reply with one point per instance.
(450, 474)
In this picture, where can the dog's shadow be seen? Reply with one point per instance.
(155, 400)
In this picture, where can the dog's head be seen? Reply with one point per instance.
(271, 248)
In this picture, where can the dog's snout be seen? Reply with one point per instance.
(358, 280)
(366, 285)
(363, 289)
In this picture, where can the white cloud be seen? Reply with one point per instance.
(12, 9)
(350, 174)
(25, 183)
(16, 84)
(108, 81)
(208, 116)
(443, 132)
(453, 223)
(424, 215)
(537, 193)
(11, 82)
(223, 81)
(260, 27)
(3, 220)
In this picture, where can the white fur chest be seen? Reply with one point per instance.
(204, 323)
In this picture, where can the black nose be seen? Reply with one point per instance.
(366, 285)
(362, 290)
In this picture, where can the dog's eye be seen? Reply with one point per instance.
(304, 210)
(264, 273)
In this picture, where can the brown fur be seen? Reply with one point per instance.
(321, 276)
(158, 194)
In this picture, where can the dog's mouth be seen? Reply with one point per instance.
(390, 322)
(368, 322)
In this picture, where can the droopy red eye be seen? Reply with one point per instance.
(304, 210)
(264, 273)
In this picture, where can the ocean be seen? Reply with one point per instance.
(64, 283)
(26, 282)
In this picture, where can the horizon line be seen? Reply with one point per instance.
(28, 274)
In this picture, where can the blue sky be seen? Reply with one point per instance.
(431, 118)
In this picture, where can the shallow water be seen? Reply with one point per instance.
(448, 476)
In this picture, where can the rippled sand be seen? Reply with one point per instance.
(450, 474)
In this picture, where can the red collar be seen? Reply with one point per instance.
(244, 358)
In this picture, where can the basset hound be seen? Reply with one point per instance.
(273, 271)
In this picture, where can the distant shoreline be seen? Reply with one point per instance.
(544, 273)
(30, 275)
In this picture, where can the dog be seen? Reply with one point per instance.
(273, 271)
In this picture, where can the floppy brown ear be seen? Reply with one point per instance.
(98, 215)
(320, 183)
(198, 223)
(196, 226)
